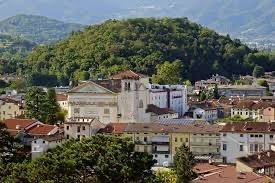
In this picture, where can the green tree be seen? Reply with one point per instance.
(216, 92)
(258, 71)
(101, 159)
(51, 106)
(10, 148)
(18, 84)
(202, 96)
(36, 105)
(184, 164)
(168, 73)
(166, 176)
(187, 83)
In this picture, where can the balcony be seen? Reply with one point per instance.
(139, 142)
(161, 140)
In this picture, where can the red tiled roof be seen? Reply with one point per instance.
(249, 127)
(259, 160)
(11, 124)
(159, 111)
(41, 129)
(158, 127)
(116, 128)
(225, 174)
(61, 97)
(127, 75)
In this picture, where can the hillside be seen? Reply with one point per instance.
(38, 29)
(13, 52)
(251, 20)
(141, 44)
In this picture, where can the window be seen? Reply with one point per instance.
(83, 128)
(251, 135)
(137, 138)
(145, 139)
(140, 104)
(176, 139)
(271, 136)
(260, 136)
(186, 140)
(68, 137)
(43, 141)
(166, 156)
(224, 147)
(35, 141)
(180, 139)
(241, 135)
(78, 129)
(256, 136)
(83, 136)
(78, 136)
(156, 155)
(224, 134)
(106, 111)
(241, 147)
(68, 127)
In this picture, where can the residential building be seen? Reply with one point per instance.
(268, 113)
(204, 110)
(158, 113)
(214, 80)
(240, 139)
(262, 163)
(10, 108)
(162, 140)
(249, 109)
(241, 90)
(41, 144)
(62, 100)
(78, 127)
(124, 98)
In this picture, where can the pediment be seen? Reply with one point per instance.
(90, 87)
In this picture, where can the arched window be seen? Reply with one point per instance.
(140, 104)
(129, 86)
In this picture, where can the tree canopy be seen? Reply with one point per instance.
(102, 159)
(143, 43)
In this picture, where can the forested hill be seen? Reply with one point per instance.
(13, 52)
(38, 29)
(141, 44)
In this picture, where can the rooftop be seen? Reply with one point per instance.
(128, 74)
(159, 111)
(225, 174)
(61, 97)
(161, 128)
(249, 127)
(17, 124)
(260, 160)
(41, 129)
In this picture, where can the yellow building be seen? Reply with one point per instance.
(162, 140)
(10, 109)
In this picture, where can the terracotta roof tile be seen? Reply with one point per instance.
(259, 160)
(159, 111)
(249, 127)
(127, 75)
(61, 97)
(225, 174)
(13, 123)
(41, 129)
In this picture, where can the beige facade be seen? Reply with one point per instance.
(10, 110)
(81, 127)
(268, 114)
